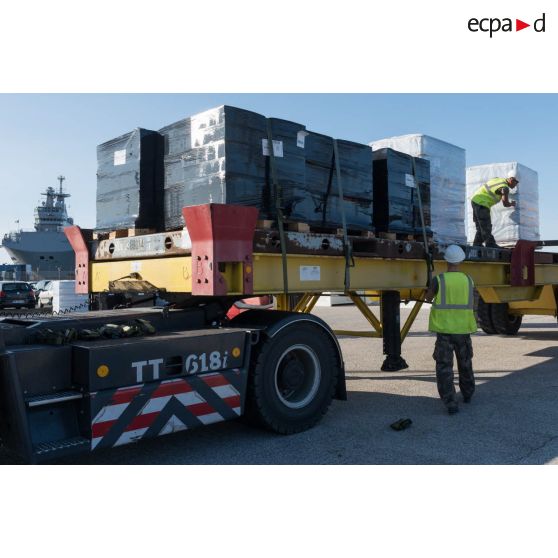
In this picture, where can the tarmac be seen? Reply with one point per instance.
(513, 418)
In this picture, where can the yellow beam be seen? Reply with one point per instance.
(312, 302)
(544, 305)
(410, 319)
(366, 312)
(283, 302)
(509, 294)
(352, 333)
(313, 274)
(172, 274)
(301, 305)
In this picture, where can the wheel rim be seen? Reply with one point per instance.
(297, 376)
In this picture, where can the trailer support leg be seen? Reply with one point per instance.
(307, 302)
(368, 314)
(411, 319)
(390, 301)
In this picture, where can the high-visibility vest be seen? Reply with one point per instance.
(452, 307)
(486, 195)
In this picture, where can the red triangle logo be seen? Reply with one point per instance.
(519, 25)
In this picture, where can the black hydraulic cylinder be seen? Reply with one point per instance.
(390, 301)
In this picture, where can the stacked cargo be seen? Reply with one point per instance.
(130, 181)
(324, 207)
(514, 223)
(65, 299)
(447, 181)
(399, 180)
(222, 156)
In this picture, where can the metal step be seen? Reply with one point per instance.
(48, 447)
(53, 398)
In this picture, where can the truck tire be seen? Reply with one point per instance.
(293, 379)
(504, 323)
(484, 317)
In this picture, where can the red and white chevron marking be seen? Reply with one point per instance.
(179, 389)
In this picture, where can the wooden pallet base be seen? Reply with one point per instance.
(121, 233)
(267, 224)
(402, 236)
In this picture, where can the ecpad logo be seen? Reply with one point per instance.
(494, 25)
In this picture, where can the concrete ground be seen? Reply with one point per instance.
(513, 417)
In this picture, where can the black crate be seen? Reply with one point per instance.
(222, 156)
(226, 162)
(130, 181)
(355, 161)
(396, 203)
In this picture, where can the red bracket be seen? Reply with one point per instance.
(523, 264)
(75, 236)
(220, 234)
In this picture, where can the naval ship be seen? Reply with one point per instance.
(46, 249)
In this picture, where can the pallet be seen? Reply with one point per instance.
(403, 236)
(265, 224)
(356, 232)
(268, 224)
(298, 227)
(121, 233)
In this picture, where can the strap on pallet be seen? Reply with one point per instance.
(427, 252)
(347, 245)
(278, 194)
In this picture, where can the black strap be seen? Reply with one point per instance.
(347, 245)
(278, 194)
(427, 253)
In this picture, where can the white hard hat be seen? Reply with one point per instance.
(513, 174)
(454, 254)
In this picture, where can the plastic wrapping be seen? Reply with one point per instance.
(447, 181)
(222, 156)
(321, 182)
(130, 181)
(65, 299)
(396, 203)
(215, 157)
(513, 223)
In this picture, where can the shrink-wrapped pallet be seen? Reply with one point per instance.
(130, 181)
(447, 181)
(222, 156)
(509, 224)
(399, 179)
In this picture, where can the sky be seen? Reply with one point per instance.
(42, 136)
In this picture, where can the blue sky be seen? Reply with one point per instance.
(45, 135)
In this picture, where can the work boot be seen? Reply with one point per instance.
(493, 245)
(453, 407)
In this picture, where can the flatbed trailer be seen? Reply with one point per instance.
(63, 391)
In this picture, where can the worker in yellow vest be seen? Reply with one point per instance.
(453, 321)
(488, 195)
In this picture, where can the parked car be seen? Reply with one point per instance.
(16, 294)
(41, 286)
(46, 295)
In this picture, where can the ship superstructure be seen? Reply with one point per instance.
(46, 249)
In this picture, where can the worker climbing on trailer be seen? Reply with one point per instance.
(453, 321)
(488, 195)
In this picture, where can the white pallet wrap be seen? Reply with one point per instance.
(447, 181)
(65, 299)
(509, 224)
